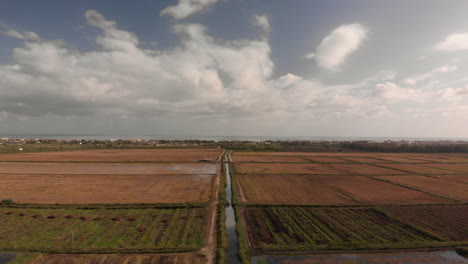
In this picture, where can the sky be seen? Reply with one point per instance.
(359, 68)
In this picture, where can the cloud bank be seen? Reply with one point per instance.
(200, 77)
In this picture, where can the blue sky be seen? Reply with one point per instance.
(208, 67)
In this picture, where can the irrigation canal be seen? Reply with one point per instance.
(233, 255)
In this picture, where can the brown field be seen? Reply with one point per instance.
(452, 168)
(372, 191)
(365, 160)
(457, 178)
(106, 168)
(326, 159)
(306, 154)
(423, 169)
(236, 158)
(449, 222)
(400, 159)
(450, 189)
(119, 258)
(448, 159)
(287, 189)
(83, 189)
(123, 155)
(285, 168)
(365, 169)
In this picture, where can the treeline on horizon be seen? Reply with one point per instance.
(431, 147)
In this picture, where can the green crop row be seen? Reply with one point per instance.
(102, 230)
(300, 228)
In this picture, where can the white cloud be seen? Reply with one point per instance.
(391, 92)
(453, 94)
(446, 68)
(454, 42)
(25, 35)
(262, 22)
(186, 8)
(413, 80)
(336, 47)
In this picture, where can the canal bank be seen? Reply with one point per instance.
(233, 249)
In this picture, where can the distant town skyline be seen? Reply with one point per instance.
(235, 68)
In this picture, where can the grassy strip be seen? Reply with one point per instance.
(10, 204)
(90, 250)
(222, 236)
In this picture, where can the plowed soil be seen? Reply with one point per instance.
(285, 168)
(423, 169)
(365, 160)
(267, 159)
(365, 169)
(83, 189)
(447, 188)
(457, 178)
(401, 159)
(449, 222)
(123, 155)
(325, 159)
(372, 191)
(287, 189)
(106, 168)
(451, 168)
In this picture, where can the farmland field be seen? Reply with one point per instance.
(82, 189)
(447, 188)
(189, 258)
(351, 201)
(321, 228)
(121, 230)
(367, 169)
(285, 168)
(400, 159)
(448, 222)
(325, 159)
(457, 178)
(267, 159)
(106, 168)
(452, 168)
(420, 168)
(365, 160)
(372, 191)
(287, 189)
(123, 155)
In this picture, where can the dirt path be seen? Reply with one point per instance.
(210, 249)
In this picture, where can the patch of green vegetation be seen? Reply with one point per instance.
(302, 228)
(103, 230)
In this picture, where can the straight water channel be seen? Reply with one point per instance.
(232, 256)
